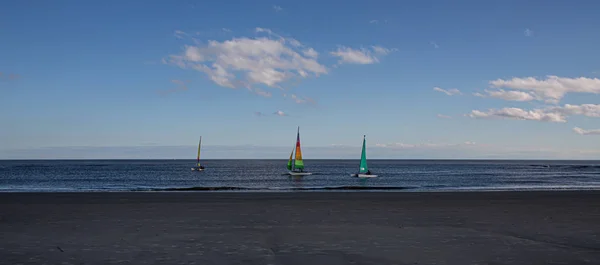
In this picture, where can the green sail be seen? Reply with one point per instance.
(299, 164)
(289, 164)
(363, 158)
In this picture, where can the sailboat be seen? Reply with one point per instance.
(363, 169)
(198, 167)
(296, 166)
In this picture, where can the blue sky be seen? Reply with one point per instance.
(422, 79)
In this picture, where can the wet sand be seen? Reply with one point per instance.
(300, 228)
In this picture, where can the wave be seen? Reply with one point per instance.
(230, 188)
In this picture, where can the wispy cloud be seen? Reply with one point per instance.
(550, 114)
(528, 32)
(360, 56)
(302, 100)
(277, 8)
(259, 114)
(280, 113)
(586, 132)
(442, 116)
(374, 21)
(180, 34)
(226, 30)
(434, 44)
(449, 92)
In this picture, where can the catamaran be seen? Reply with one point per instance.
(363, 169)
(198, 167)
(296, 166)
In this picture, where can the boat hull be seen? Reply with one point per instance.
(197, 169)
(363, 176)
(292, 173)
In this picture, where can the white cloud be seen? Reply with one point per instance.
(360, 56)
(553, 88)
(449, 92)
(588, 110)
(277, 8)
(310, 52)
(381, 50)
(586, 132)
(226, 30)
(435, 45)
(442, 116)
(245, 62)
(280, 113)
(552, 114)
(528, 32)
(259, 29)
(374, 21)
(507, 95)
(518, 114)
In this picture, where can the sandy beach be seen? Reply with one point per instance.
(300, 228)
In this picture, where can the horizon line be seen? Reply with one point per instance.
(372, 159)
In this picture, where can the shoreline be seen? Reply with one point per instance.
(333, 189)
(294, 193)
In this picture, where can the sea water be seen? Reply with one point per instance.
(269, 175)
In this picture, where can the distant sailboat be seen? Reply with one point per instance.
(296, 166)
(198, 167)
(363, 170)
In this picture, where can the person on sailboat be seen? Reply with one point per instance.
(368, 172)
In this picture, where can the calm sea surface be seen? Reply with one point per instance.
(261, 175)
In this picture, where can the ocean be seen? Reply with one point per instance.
(268, 175)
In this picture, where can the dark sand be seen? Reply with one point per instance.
(300, 228)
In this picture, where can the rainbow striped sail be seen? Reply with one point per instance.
(297, 164)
